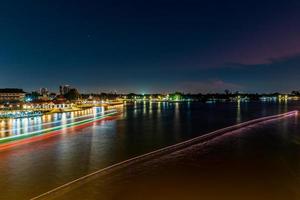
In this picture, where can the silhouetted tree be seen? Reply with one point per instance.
(72, 95)
(227, 92)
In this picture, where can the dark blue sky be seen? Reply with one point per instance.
(151, 46)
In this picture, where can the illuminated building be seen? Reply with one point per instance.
(47, 105)
(12, 94)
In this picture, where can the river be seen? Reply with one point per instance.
(34, 168)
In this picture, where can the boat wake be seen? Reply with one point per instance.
(160, 152)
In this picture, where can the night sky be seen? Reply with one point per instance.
(151, 46)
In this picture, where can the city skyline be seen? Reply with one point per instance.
(150, 99)
(151, 47)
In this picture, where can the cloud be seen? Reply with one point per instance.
(210, 86)
(279, 75)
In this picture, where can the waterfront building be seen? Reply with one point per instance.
(11, 95)
(47, 106)
(43, 97)
(60, 99)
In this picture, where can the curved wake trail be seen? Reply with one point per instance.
(163, 151)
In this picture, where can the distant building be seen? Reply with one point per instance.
(12, 94)
(64, 89)
(44, 91)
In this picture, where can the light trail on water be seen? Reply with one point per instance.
(49, 123)
(32, 136)
(163, 151)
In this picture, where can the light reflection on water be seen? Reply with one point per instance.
(234, 165)
(10, 127)
(238, 112)
(141, 128)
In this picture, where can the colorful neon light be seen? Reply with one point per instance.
(56, 128)
(57, 121)
(14, 143)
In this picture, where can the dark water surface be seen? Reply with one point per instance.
(258, 162)
(32, 169)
